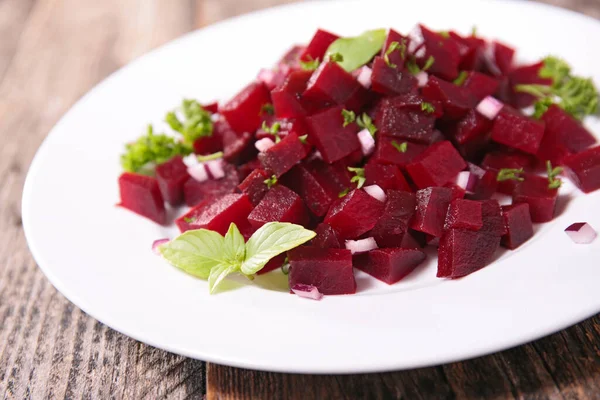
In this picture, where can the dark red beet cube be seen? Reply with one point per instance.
(436, 166)
(385, 176)
(254, 185)
(403, 117)
(332, 139)
(517, 220)
(389, 265)
(218, 214)
(287, 98)
(280, 204)
(445, 52)
(245, 169)
(432, 207)
(331, 83)
(387, 153)
(329, 270)
(502, 58)
(486, 186)
(273, 264)
(471, 51)
(464, 214)
(209, 144)
(541, 199)
(280, 158)
(584, 169)
(318, 46)
(514, 160)
(456, 100)
(493, 223)
(457, 191)
(171, 177)
(471, 134)
(395, 57)
(480, 86)
(327, 238)
(517, 131)
(525, 75)
(243, 112)
(463, 252)
(141, 194)
(391, 229)
(354, 214)
(314, 193)
(195, 192)
(238, 149)
(334, 178)
(391, 81)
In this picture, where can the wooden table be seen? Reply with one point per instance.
(51, 53)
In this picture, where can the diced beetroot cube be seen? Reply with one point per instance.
(385, 176)
(210, 144)
(493, 223)
(354, 214)
(141, 194)
(403, 117)
(332, 139)
(195, 192)
(464, 214)
(513, 160)
(436, 166)
(502, 58)
(244, 110)
(387, 153)
(471, 51)
(480, 85)
(218, 214)
(329, 270)
(486, 186)
(238, 148)
(517, 131)
(245, 169)
(287, 98)
(525, 75)
(456, 100)
(171, 177)
(472, 134)
(212, 108)
(304, 182)
(584, 169)
(280, 204)
(254, 185)
(445, 52)
(391, 81)
(395, 57)
(463, 252)
(334, 178)
(280, 158)
(331, 83)
(327, 238)
(432, 207)
(318, 46)
(457, 191)
(517, 220)
(273, 264)
(391, 229)
(564, 135)
(541, 199)
(389, 265)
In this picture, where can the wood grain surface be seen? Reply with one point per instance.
(51, 53)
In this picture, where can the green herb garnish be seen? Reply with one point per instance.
(359, 50)
(267, 108)
(394, 46)
(365, 122)
(209, 157)
(508, 174)
(474, 31)
(270, 182)
(427, 107)
(412, 67)
(444, 34)
(359, 176)
(462, 77)
(310, 65)
(303, 139)
(344, 192)
(336, 57)
(151, 148)
(196, 123)
(428, 63)
(401, 147)
(553, 181)
(208, 255)
(349, 117)
(272, 130)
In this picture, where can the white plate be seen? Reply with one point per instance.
(99, 255)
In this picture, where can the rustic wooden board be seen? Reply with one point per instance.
(51, 53)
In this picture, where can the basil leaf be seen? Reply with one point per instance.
(271, 240)
(195, 252)
(234, 245)
(359, 50)
(218, 273)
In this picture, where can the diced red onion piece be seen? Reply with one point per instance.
(476, 170)
(198, 172)
(264, 144)
(191, 159)
(489, 107)
(467, 181)
(315, 155)
(307, 291)
(364, 77)
(376, 192)
(422, 78)
(215, 168)
(490, 59)
(267, 76)
(367, 142)
(361, 246)
(158, 243)
(581, 233)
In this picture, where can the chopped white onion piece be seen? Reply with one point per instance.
(364, 77)
(467, 180)
(215, 168)
(307, 291)
(422, 78)
(489, 107)
(264, 144)
(190, 159)
(489, 58)
(367, 142)
(477, 170)
(581, 233)
(315, 155)
(198, 172)
(376, 192)
(158, 243)
(266, 76)
(361, 246)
